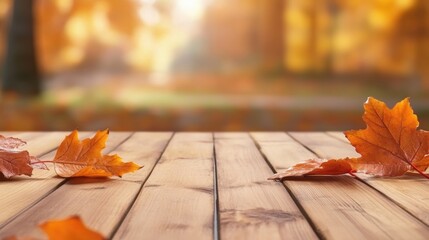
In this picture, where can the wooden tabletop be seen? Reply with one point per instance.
(213, 186)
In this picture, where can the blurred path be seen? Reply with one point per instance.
(93, 101)
(138, 91)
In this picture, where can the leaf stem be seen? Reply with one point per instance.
(45, 161)
(34, 162)
(419, 171)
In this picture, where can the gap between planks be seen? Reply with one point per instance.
(216, 221)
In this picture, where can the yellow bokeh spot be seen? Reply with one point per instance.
(77, 30)
(64, 5)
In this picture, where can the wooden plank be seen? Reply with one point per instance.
(340, 206)
(177, 200)
(22, 192)
(275, 144)
(250, 207)
(39, 143)
(338, 135)
(410, 191)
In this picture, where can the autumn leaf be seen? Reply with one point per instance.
(10, 143)
(315, 167)
(390, 145)
(14, 161)
(76, 158)
(71, 228)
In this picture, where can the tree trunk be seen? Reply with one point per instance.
(21, 75)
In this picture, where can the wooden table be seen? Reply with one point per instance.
(213, 186)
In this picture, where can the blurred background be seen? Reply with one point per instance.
(209, 65)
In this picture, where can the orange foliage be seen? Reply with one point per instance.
(69, 229)
(391, 145)
(76, 158)
(74, 32)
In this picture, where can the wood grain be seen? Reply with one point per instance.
(250, 207)
(410, 191)
(340, 206)
(177, 200)
(21, 193)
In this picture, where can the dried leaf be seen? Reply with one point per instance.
(315, 167)
(13, 161)
(10, 143)
(391, 141)
(71, 228)
(390, 145)
(76, 158)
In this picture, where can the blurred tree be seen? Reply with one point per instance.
(421, 12)
(271, 30)
(21, 75)
(412, 29)
(81, 34)
(4, 13)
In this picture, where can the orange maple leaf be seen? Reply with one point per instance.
(390, 145)
(69, 229)
(76, 158)
(14, 161)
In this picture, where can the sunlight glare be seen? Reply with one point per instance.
(193, 9)
(149, 15)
